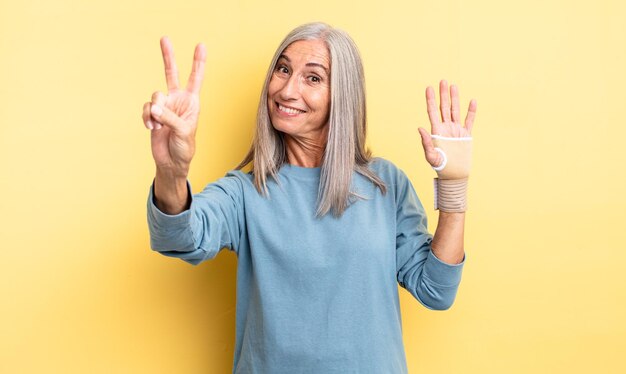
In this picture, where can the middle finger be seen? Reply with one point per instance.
(456, 108)
(444, 100)
(197, 70)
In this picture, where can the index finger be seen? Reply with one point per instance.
(197, 70)
(471, 113)
(171, 71)
(431, 107)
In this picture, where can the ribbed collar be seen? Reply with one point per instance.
(300, 172)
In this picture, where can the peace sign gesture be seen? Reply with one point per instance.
(173, 118)
(448, 122)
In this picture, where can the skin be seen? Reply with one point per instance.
(447, 242)
(173, 119)
(301, 81)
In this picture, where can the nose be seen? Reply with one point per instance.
(291, 89)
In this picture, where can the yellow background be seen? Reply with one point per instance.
(544, 285)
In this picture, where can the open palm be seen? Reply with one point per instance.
(446, 121)
(173, 118)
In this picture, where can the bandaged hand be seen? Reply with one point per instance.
(449, 149)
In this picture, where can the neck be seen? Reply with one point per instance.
(305, 152)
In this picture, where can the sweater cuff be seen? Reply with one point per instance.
(442, 273)
(161, 219)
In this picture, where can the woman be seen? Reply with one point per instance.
(323, 232)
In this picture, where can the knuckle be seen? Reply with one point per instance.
(156, 96)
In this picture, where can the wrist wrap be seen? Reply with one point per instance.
(453, 173)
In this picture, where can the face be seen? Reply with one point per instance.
(298, 96)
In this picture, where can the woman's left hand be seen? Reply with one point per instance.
(447, 121)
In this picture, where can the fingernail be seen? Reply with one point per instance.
(156, 110)
(150, 125)
(157, 126)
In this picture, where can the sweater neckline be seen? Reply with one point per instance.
(300, 171)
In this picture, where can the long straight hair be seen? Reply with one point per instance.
(345, 150)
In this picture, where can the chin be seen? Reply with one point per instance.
(282, 128)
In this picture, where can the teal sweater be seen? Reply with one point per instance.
(314, 295)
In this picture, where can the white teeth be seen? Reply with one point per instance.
(289, 110)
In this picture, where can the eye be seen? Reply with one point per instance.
(282, 69)
(315, 79)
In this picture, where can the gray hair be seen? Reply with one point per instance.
(345, 148)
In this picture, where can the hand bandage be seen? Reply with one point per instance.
(453, 173)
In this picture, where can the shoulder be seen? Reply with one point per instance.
(395, 178)
(233, 183)
(239, 175)
(387, 170)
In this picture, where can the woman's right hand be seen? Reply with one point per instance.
(173, 118)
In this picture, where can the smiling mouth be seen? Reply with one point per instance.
(289, 111)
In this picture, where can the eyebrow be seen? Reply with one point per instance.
(307, 64)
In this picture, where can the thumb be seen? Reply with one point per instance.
(426, 140)
(168, 118)
(432, 156)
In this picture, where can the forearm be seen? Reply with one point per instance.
(447, 242)
(170, 192)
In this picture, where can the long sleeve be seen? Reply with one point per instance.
(309, 284)
(212, 222)
(431, 281)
